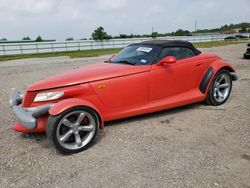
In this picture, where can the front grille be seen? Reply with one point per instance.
(28, 98)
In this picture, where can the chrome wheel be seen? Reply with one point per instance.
(221, 87)
(76, 130)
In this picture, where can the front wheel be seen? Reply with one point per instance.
(73, 130)
(220, 88)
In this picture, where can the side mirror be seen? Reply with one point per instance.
(167, 60)
(109, 59)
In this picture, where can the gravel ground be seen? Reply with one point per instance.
(192, 146)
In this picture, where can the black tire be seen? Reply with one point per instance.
(246, 56)
(55, 122)
(211, 99)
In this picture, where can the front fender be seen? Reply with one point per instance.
(73, 102)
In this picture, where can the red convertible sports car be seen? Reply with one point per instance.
(142, 78)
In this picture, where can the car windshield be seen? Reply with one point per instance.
(137, 55)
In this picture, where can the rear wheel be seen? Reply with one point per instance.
(73, 130)
(220, 88)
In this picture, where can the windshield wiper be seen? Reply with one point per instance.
(126, 62)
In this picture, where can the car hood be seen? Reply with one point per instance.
(89, 73)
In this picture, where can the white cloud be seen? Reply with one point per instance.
(36, 7)
(28, 7)
(111, 4)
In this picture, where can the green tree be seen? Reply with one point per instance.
(100, 34)
(181, 32)
(26, 38)
(155, 34)
(243, 29)
(39, 39)
(3, 39)
(123, 36)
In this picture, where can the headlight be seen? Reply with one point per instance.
(48, 96)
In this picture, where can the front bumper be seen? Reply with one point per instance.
(26, 116)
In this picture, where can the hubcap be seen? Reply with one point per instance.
(75, 130)
(222, 86)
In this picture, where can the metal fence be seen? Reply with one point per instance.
(77, 45)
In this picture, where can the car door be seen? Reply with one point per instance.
(171, 79)
(126, 91)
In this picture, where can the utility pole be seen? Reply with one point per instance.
(195, 26)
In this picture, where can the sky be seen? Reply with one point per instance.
(60, 19)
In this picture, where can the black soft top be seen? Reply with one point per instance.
(171, 43)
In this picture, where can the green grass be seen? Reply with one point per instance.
(73, 54)
(218, 43)
(94, 53)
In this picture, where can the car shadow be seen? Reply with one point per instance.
(41, 137)
(34, 136)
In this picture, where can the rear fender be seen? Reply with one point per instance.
(70, 103)
(211, 72)
(221, 64)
